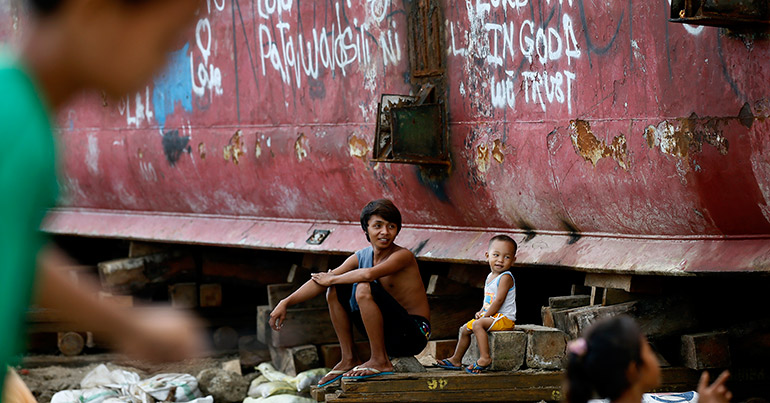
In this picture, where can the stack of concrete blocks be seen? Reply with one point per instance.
(530, 346)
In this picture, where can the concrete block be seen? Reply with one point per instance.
(546, 347)
(706, 350)
(507, 348)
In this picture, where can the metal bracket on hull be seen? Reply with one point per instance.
(734, 14)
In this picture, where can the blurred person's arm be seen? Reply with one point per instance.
(155, 334)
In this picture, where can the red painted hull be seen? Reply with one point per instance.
(601, 135)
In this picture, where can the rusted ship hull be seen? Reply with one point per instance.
(603, 136)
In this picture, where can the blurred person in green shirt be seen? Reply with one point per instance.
(73, 45)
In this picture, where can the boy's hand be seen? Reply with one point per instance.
(717, 392)
(479, 314)
(323, 279)
(161, 334)
(278, 316)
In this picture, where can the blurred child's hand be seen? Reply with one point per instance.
(479, 314)
(717, 392)
(161, 334)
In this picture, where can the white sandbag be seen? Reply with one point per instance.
(101, 376)
(160, 386)
(94, 395)
(280, 399)
(304, 380)
(273, 388)
(253, 385)
(268, 370)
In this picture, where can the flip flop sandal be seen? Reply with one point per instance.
(374, 373)
(446, 364)
(337, 372)
(475, 368)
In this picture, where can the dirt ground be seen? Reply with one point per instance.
(63, 374)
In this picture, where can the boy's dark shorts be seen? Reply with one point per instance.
(405, 334)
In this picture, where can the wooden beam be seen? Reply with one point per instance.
(569, 301)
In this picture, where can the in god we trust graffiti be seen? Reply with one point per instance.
(529, 55)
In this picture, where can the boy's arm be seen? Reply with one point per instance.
(308, 290)
(396, 262)
(506, 282)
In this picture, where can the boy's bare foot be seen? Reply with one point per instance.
(385, 366)
(346, 365)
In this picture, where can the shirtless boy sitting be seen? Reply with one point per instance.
(379, 289)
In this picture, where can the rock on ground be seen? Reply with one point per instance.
(222, 385)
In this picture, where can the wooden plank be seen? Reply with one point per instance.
(580, 319)
(123, 276)
(601, 280)
(612, 296)
(454, 381)
(548, 394)
(569, 301)
(440, 285)
(277, 292)
(625, 282)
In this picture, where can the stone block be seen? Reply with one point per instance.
(508, 350)
(546, 347)
(706, 350)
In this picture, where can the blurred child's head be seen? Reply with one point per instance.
(501, 253)
(114, 45)
(612, 357)
(381, 222)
